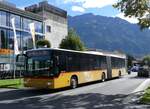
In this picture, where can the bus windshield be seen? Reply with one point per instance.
(41, 66)
(38, 67)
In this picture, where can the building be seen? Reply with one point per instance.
(55, 20)
(50, 23)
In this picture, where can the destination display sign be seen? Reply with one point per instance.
(38, 53)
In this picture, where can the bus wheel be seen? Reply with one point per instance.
(103, 77)
(73, 83)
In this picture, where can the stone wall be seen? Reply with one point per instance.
(59, 28)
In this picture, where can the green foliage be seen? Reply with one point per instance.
(43, 43)
(146, 60)
(11, 83)
(135, 8)
(72, 42)
(146, 97)
(130, 59)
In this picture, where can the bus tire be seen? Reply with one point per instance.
(119, 74)
(103, 77)
(73, 82)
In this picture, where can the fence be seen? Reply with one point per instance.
(10, 74)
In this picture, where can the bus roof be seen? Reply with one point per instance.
(111, 54)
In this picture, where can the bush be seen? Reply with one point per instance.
(43, 43)
(146, 60)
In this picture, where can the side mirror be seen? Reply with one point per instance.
(21, 60)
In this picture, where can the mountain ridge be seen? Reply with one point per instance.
(111, 34)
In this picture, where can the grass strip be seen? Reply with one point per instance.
(146, 97)
(11, 83)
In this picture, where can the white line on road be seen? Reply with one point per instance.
(142, 86)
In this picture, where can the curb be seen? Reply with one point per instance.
(143, 86)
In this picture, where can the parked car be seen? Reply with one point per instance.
(135, 68)
(144, 71)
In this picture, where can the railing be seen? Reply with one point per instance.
(10, 74)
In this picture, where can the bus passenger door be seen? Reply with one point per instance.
(109, 69)
(21, 64)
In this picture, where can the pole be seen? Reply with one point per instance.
(43, 23)
(32, 30)
(20, 76)
(14, 65)
(13, 25)
(16, 50)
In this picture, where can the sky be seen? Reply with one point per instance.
(78, 7)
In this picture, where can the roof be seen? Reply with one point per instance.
(20, 12)
(44, 6)
(111, 54)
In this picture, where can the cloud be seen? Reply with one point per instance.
(92, 3)
(21, 7)
(97, 3)
(74, 1)
(131, 20)
(78, 9)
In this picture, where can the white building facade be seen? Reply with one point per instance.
(55, 21)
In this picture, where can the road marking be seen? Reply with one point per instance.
(142, 86)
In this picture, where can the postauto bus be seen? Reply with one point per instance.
(58, 68)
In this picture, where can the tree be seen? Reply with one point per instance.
(130, 60)
(72, 42)
(136, 8)
(146, 60)
(43, 43)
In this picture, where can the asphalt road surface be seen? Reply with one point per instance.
(114, 94)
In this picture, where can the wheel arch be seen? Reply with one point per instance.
(74, 76)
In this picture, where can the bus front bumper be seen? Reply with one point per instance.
(39, 83)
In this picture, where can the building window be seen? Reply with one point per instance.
(38, 27)
(17, 20)
(11, 39)
(3, 18)
(48, 28)
(3, 39)
(26, 23)
(27, 41)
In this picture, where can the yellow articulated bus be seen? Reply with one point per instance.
(58, 68)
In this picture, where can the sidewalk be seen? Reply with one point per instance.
(6, 89)
(133, 100)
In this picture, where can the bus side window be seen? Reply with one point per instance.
(103, 62)
(97, 63)
(62, 62)
(56, 61)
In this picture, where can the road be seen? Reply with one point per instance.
(114, 94)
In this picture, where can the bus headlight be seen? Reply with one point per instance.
(49, 83)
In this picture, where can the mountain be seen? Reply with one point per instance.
(111, 34)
